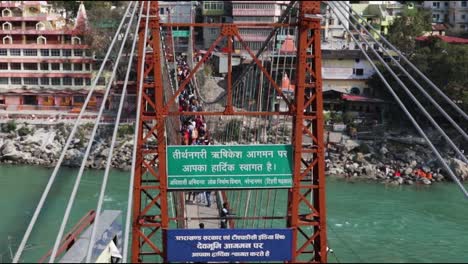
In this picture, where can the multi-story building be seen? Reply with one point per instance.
(251, 12)
(178, 12)
(333, 28)
(439, 10)
(458, 16)
(44, 63)
(214, 12)
(380, 14)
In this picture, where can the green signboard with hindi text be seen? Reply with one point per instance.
(229, 167)
(180, 33)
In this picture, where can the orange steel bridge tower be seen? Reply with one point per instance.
(306, 214)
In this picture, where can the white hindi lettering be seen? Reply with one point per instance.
(282, 153)
(251, 167)
(222, 167)
(226, 153)
(177, 154)
(194, 168)
(260, 154)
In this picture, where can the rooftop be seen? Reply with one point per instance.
(446, 39)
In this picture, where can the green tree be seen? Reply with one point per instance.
(406, 28)
(103, 17)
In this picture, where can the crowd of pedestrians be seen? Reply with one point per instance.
(193, 127)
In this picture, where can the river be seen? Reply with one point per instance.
(367, 222)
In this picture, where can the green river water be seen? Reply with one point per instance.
(367, 222)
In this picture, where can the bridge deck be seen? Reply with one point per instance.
(198, 208)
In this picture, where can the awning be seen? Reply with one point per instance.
(358, 98)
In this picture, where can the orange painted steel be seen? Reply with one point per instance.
(150, 212)
(70, 238)
(309, 159)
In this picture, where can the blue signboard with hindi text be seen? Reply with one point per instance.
(205, 245)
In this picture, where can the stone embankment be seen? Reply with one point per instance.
(380, 160)
(43, 144)
(376, 160)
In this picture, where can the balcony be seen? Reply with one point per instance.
(38, 17)
(342, 74)
(255, 12)
(213, 12)
(36, 32)
(253, 37)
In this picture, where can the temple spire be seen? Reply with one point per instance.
(81, 23)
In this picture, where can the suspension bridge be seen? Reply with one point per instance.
(258, 147)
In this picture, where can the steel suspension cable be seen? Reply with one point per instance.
(135, 145)
(421, 132)
(67, 144)
(114, 138)
(282, 19)
(415, 100)
(437, 89)
(441, 110)
(90, 143)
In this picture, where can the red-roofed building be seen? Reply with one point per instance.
(446, 39)
(44, 62)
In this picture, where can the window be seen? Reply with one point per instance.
(30, 66)
(44, 66)
(358, 72)
(15, 52)
(76, 41)
(31, 81)
(41, 40)
(101, 81)
(44, 81)
(67, 81)
(88, 81)
(15, 80)
(78, 81)
(55, 52)
(40, 26)
(6, 26)
(463, 4)
(3, 80)
(55, 66)
(87, 67)
(15, 66)
(3, 52)
(7, 40)
(55, 81)
(45, 52)
(67, 67)
(30, 100)
(6, 12)
(463, 17)
(3, 66)
(78, 99)
(78, 53)
(355, 91)
(66, 53)
(30, 52)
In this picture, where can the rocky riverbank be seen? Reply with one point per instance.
(43, 144)
(375, 160)
(379, 160)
